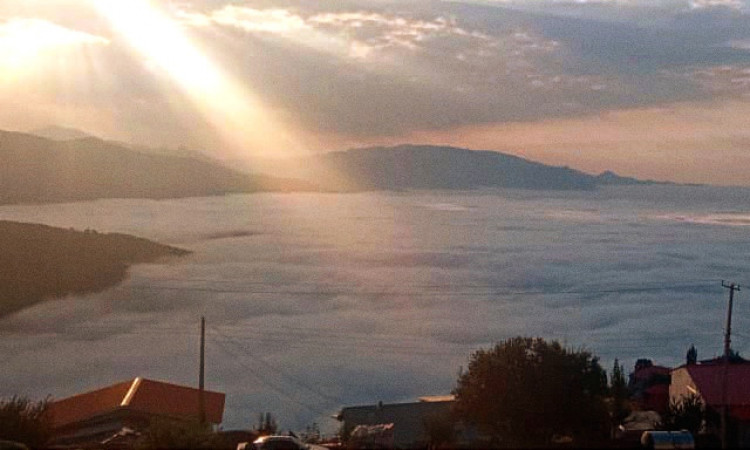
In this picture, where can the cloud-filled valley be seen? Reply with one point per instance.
(328, 299)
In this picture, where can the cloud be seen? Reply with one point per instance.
(358, 298)
(23, 40)
(733, 4)
(347, 73)
(277, 21)
(41, 35)
(357, 34)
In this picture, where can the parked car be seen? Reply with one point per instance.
(278, 443)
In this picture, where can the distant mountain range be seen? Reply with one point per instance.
(435, 167)
(39, 170)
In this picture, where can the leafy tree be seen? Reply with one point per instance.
(440, 429)
(525, 390)
(618, 389)
(22, 420)
(267, 425)
(164, 433)
(687, 413)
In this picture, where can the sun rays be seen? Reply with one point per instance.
(25, 44)
(246, 125)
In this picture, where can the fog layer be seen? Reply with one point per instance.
(316, 301)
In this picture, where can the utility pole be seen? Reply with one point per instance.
(201, 376)
(727, 352)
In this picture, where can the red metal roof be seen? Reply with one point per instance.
(708, 381)
(141, 395)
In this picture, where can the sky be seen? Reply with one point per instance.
(653, 89)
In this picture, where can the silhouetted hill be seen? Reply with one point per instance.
(39, 262)
(432, 167)
(610, 178)
(38, 170)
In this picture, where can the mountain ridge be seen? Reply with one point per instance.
(412, 166)
(34, 169)
(38, 170)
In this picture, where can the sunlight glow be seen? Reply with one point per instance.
(23, 41)
(243, 121)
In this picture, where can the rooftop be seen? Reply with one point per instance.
(140, 395)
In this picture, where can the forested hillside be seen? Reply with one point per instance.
(39, 262)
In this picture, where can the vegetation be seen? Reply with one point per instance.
(165, 433)
(618, 389)
(688, 413)
(527, 392)
(39, 262)
(267, 425)
(22, 420)
(441, 430)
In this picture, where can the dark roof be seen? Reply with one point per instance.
(140, 395)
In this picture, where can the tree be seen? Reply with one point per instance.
(618, 389)
(525, 390)
(165, 433)
(692, 355)
(688, 413)
(23, 420)
(267, 425)
(440, 430)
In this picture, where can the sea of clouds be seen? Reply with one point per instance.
(318, 301)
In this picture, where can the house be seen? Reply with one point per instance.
(95, 416)
(648, 385)
(408, 422)
(706, 380)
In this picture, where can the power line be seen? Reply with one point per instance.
(281, 372)
(265, 380)
(421, 293)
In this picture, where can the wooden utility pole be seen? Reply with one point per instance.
(727, 353)
(201, 376)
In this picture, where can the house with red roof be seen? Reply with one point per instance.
(648, 385)
(94, 416)
(706, 380)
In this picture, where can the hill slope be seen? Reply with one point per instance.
(39, 262)
(38, 170)
(432, 167)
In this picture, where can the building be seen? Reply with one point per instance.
(648, 385)
(706, 380)
(95, 416)
(408, 421)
